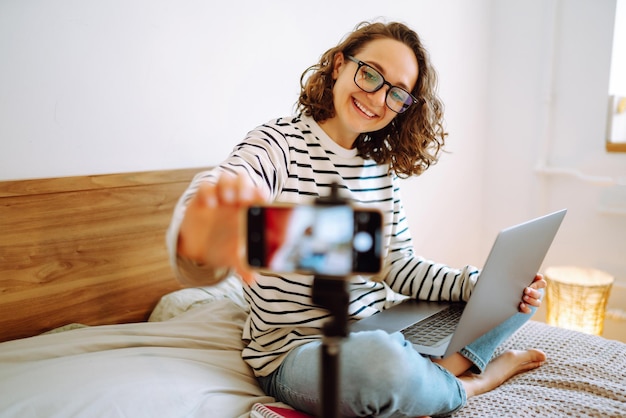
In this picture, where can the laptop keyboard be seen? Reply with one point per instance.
(431, 331)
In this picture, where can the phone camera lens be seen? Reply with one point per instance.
(362, 242)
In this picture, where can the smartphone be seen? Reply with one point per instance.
(314, 239)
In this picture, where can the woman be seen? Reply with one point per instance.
(369, 114)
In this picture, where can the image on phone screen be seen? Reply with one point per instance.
(331, 240)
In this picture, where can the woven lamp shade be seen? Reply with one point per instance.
(576, 298)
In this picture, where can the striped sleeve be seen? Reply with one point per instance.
(262, 156)
(416, 276)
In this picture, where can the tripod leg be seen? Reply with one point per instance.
(331, 293)
(331, 347)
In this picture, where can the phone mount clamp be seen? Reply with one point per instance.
(330, 292)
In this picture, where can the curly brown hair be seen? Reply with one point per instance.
(415, 138)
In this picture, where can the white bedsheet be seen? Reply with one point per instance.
(186, 367)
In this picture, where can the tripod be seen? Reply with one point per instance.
(331, 293)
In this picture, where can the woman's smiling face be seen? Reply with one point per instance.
(358, 111)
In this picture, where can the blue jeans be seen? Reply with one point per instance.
(381, 375)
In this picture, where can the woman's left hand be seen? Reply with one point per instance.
(532, 295)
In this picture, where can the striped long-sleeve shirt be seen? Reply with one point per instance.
(296, 162)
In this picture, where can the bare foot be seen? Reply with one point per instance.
(501, 369)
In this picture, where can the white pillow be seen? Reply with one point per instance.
(180, 301)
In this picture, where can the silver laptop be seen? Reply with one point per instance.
(513, 261)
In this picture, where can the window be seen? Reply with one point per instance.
(616, 126)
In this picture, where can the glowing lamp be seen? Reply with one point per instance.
(576, 298)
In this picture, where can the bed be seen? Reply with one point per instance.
(93, 323)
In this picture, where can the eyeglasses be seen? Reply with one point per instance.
(371, 80)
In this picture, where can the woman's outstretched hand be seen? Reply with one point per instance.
(211, 233)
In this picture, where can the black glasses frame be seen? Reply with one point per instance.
(384, 83)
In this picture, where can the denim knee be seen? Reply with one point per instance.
(382, 373)
(378, 359)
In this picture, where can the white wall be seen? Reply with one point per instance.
(92, 86)
(548, 104)
(105, 86)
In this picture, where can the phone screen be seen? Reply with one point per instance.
(318, 239)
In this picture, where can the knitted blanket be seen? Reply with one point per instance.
(584, 376)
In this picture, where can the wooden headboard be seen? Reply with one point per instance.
(86, 249)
